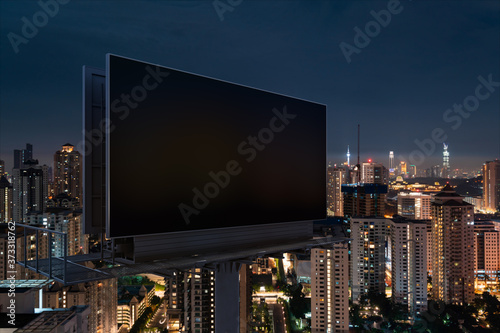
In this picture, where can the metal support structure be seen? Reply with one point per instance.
(37, 260)
(227, 297)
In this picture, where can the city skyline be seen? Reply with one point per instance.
(399, 86)
(315, 166)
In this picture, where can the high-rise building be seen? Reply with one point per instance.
(429, 247)
(67, 172)
(414, 205)
(199, 300)
(101, 297)
(364, 199)
(330, 289)
(391, 161)
(245, 296)
(2, 167)
(487, 246)
(368, 255)
(62, 220)
(373, 173)
(6, 204)
(336, 178)
(190, 297)
(402, 169)
(491, 186)
(21, 156)
(412, 171)
(409, 264)
(452, 248)
(30, 190)
(74, 319)
(446, 162)
(174, 298)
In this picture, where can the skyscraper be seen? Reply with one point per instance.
(491, 186)
(409, 263)
(67, 172)
(452, 247)
(373, 173)
(22, 155)
(402, 169)
(446, 162)
(391, 161)
(5, 200)
(30, 186)
(414, 205)
(190, 296)
(487, 246)
(2, 167)
(364, 199)
(330, 289)
(336, 178)
(368, 255)
(412, 171)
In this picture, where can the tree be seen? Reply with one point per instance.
(155, 300)
(298, 303)
(492, 309)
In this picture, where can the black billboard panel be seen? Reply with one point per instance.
(187, 152)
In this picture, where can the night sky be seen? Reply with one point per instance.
(398, 87)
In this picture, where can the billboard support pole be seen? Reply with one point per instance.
(227, 295)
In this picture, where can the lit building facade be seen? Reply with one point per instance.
(491, 186)
(67, 172)
(330, 289)
(374, 173)
(132, 302)
(100, 296)
(6, 204)
(402, 168)
(368, 255)
(414, 205)
(364, 199)
(21, 156)
(487, 248)
(336, 178)
(190, 298)
(452, 248)
(30, 191)
(67, 221)
(445, 173)
(409, 264)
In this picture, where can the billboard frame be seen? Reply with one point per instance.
(291, 224)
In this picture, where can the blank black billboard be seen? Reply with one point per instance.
(187, 152)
